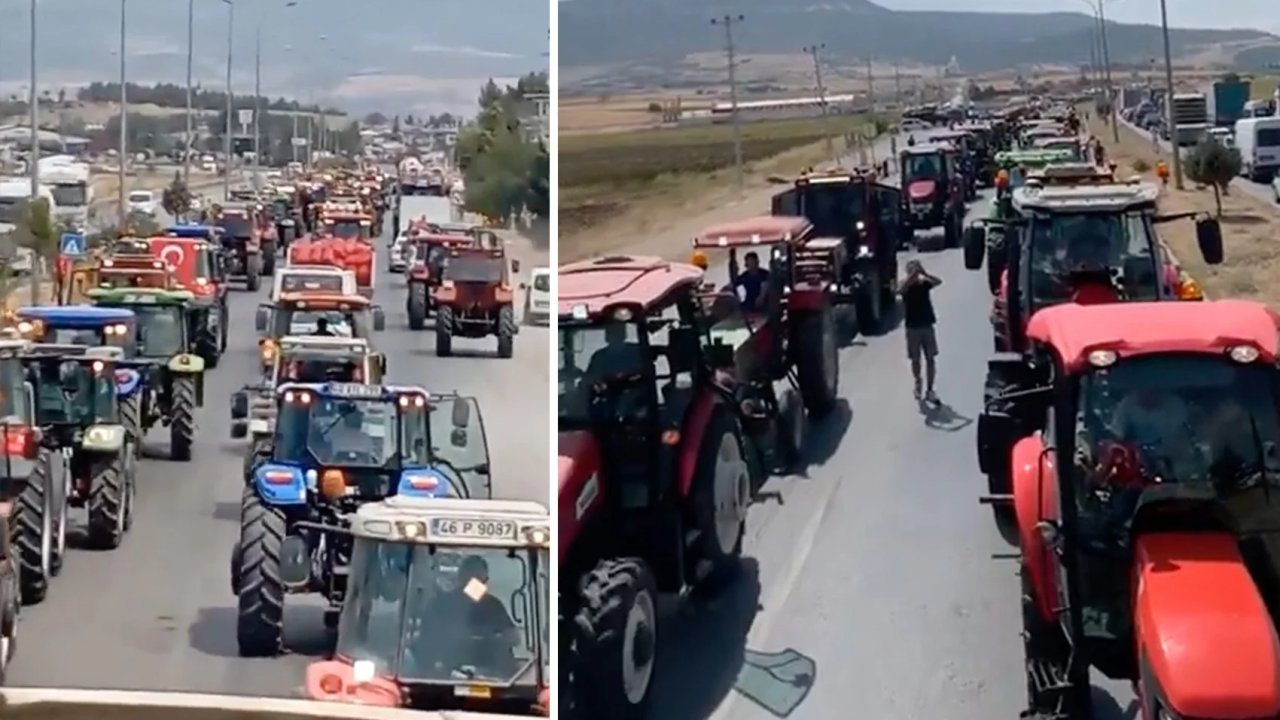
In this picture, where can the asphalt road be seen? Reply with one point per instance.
(158, 613)
(868, 587)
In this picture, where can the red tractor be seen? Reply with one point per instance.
(425, 270)
(1145, 508)
(474, 299)
(653, 474)
(935, 189)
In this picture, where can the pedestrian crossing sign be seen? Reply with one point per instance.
(72, 244)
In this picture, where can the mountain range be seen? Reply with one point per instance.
(603, 32)
(385, 55)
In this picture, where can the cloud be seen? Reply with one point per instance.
(461, 50)
(419, 93)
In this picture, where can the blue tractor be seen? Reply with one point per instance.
(336, 446)
(86, 457)
(75, 325)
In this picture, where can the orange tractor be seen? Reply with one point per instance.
(475, 299)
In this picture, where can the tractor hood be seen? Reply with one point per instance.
(579, 483)
(1209, 643)
(921, 189)
(59, 704)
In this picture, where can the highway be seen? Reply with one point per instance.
(158, 613)
(869, 582)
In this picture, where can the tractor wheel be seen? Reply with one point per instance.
(868, 308)
(9, 610)
(613, 642)
(109, 494)
(253, 273)
(444, 331)
(34, 527)
(260, 610)
(182, 426)
(506, 331)
(131, 418)
(224, 331)
(417, 305)
(721, 493)
(817, 361)
(269, 259)
(208, 343)
(994, 270)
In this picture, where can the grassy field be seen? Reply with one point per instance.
(602, 174)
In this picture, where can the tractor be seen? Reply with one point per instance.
(935, 189)
(445, 556)
(334, 447)
(197, 261)
(654, 478)
(242, 242)
(474, 299)
(161, 349)
(351, 316)
(428, 254)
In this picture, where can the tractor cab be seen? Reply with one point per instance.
(1078, 242)
(19, 436)
(160, 329)
(1017, 164)
(1143, 461)
(474, 298)
(129, 263)
(411, 635)
(934, 189)
(318, 314)
(83, 325)
(346, 224)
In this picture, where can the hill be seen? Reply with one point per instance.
(599, 32)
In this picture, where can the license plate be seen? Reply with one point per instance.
(473, 528)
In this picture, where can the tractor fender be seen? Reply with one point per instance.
(280, 484)
(444, 294)
(696, 421)
(578, 468)
(186, 363)
(104, 438)
(1034, 478)
(127, 382)
(1202, 629)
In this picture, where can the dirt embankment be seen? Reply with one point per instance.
(1250, 227)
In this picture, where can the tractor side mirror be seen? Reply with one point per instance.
(382, 364)
(975, 246)
(261, 317)
(379, 319)
(239, 406)
(515, 265)
(1209, 238)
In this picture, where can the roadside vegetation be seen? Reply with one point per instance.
(505, 162)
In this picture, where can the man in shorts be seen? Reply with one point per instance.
(919, 320)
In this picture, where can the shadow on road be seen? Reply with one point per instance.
(941, 416)
(701, 649)
(1105, 707)
(227, 511)
(823, 438)
(214, 632)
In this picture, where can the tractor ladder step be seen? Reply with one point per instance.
(1001, 499)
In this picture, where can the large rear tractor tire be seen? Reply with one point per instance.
(444, 331)
(131, 418)
(817, 361)
(182, 427)
(260, 608)
(613, 642)
(721, 495)
(417, 305)
(253, 273)
(208, 343)
(9, 610)
(33, 526)
(110, 492)
(506, 331)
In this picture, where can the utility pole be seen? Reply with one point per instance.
(727, 21)
(1106, 62)
(257, 102)
(1168, 100)
(871, 86)
(35, 113)
(226, 141)
(191, 39)
(813, 51)
(897, 85)
(121, 190)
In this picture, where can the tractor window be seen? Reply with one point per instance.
(236, 226)
(1064, 245)
(922, 166)
(70, 393)
(311, 282)
(1167, 427)
(291, 321)
(349, 229)
(593, 354)
(159, 330)
(337, 432)
(474, 268)
(833, 208)
(13, 396)
(542, 282)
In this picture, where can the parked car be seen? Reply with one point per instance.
(143, 202)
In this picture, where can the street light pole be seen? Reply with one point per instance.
(226, 176)
(35, 113)
(257, 101)
(728, 21)
(1106, 63)
(121, 190)
(1168, 100)
(191, 37)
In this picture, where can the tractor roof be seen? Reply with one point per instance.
(1075, 198)
(1141, 328)
(759, 230)
(404, 518)
(930, 148)
(589, 288)
(192, 230)
(356, 391)
(140, 296)
(75, 317)
(1039, 157)
(329, 301)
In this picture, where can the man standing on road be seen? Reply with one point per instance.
(919, 320)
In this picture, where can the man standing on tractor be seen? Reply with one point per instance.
(322, 328)
(752, 280)
(919, 320)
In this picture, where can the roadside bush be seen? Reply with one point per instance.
(1141, 166)
(1213, 164)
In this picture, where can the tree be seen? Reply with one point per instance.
(177, 197)
(1211, 163)
(375, 118)
(35, 231)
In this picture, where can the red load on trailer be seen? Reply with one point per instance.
(353, 255)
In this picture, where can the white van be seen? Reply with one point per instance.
(1258, 140)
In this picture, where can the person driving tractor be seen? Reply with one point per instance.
(322, 328)
(474, 627)
(345, 434)
(1158, 423)
(752, 280)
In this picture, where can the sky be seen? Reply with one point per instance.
(1250, 14)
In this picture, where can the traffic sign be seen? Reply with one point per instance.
(72, 244)
(246, 117)
(299, 142)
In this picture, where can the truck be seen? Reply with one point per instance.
(68, 182)
(1227, 99)
(14, 193)
(1191, 113)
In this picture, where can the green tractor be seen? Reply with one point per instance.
(163, 349)
(77, 391)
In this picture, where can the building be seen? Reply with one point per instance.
(788, 108)
(20, 136)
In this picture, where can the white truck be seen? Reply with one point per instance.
(68, 181)
(14, 192)
(1191, 113)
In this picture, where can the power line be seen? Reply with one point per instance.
(728, 21)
